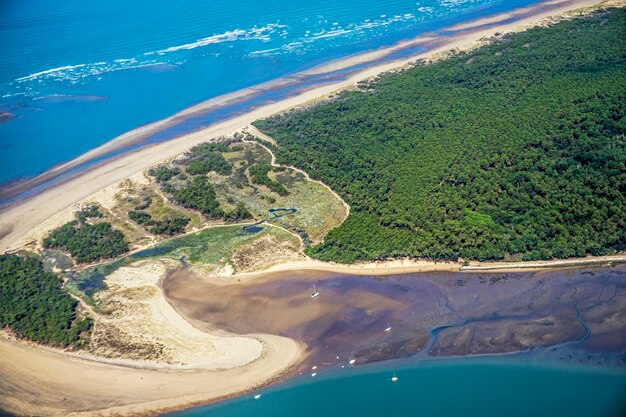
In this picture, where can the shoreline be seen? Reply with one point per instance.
(19, 217)
(410, 266)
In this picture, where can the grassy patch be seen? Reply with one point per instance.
(317, 210)
(211, 247)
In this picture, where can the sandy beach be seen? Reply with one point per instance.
(37, 381)
(196, 366)
(22, 216)
(412, 266)
(207, 363)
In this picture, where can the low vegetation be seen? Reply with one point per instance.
(34, 306)
(197, 193)
(515, 150)
(169, 226)
(210, 248)
(88, 242)
(310, 209)
(213, 246)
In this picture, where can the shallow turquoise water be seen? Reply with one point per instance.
(444, 388)
(77, 74)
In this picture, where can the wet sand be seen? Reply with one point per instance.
(430, 314)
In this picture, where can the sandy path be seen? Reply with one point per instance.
(18, 219)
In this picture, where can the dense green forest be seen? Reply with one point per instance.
(514, 150)
(207, 157)
(33, 304)
(170, 226)
(198, 194)
(88, 242)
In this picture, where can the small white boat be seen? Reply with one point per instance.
(256, 397)
(314, 367)
(352, 361)
(314, 373)
(388, 328)
(315, 292)
(394, 378)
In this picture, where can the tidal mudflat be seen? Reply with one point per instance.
(370, 318)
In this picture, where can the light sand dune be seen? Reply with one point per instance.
(140, 312)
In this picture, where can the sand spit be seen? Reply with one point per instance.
(411, 266)
(23, 216)
(35, 381)
(193, 366)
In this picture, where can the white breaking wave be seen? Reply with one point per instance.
(49, 72)
(454, 3)
(256, 33)
(73, 73)
(299, 45)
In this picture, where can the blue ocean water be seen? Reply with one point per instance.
(479, 387)
(76, 74)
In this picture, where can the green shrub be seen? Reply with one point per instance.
(259, 172)
(86, 242)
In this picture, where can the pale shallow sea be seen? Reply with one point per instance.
(75, 74)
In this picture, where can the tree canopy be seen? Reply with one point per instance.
(34, 306)
(514, 150)
(88, 242)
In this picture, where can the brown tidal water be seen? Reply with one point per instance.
(430, 314)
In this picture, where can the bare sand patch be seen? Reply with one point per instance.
(136, 314)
